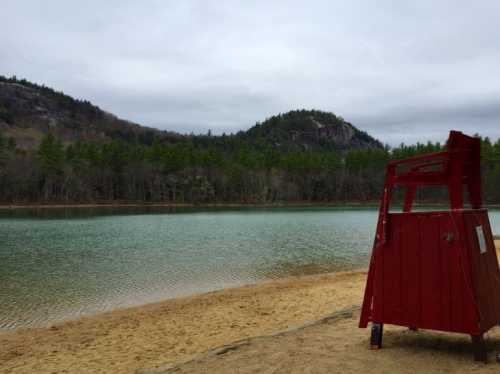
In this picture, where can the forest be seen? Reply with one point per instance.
(82, 154)
(208, 169)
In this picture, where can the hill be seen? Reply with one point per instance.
(29, 111)
(310, 129)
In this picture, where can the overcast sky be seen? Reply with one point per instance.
(402, 72)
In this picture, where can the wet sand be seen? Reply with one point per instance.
(124, 341)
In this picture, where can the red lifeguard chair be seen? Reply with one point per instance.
(435, 269)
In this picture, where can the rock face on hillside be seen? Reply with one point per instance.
(28, 111)
(310, 129)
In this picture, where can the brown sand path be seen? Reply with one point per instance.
(174, 330)
(337, 345)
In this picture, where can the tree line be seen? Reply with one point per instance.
(205, 169)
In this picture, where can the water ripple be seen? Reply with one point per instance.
(67, 266)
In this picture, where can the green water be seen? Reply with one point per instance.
(59, 264)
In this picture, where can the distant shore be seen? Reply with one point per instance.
(297, 204)
(181, 205)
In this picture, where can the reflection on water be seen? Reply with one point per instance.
(59, 264)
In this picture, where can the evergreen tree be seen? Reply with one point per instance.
(51, 155)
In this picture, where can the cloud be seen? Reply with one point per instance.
(401, 71)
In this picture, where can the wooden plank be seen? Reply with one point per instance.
(378, 286)
(430, 277)
(493, 270)
(392, 274)
(483, 267)
(410, 263)
(470, 311)
(445, 247)
(456, 279)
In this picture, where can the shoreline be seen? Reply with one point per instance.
(298, 204)
(181, 205)
(124, 340)
(174, 330)
(262, 283)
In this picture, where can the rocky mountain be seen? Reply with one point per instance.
(310, 129)
(28, 111)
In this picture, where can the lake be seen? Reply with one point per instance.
(59, 264)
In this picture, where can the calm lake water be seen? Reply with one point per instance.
(59, 264)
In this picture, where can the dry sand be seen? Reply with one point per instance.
(337, 345)
(176, 330)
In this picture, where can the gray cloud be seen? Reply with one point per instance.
(402, 71)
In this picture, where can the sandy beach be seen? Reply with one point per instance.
(335, 345)
(125, 340)
(128, 340)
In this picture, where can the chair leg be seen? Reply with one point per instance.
(376, 335)
(479, 348)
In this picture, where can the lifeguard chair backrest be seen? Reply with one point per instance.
(465, 169)
(459, 165)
